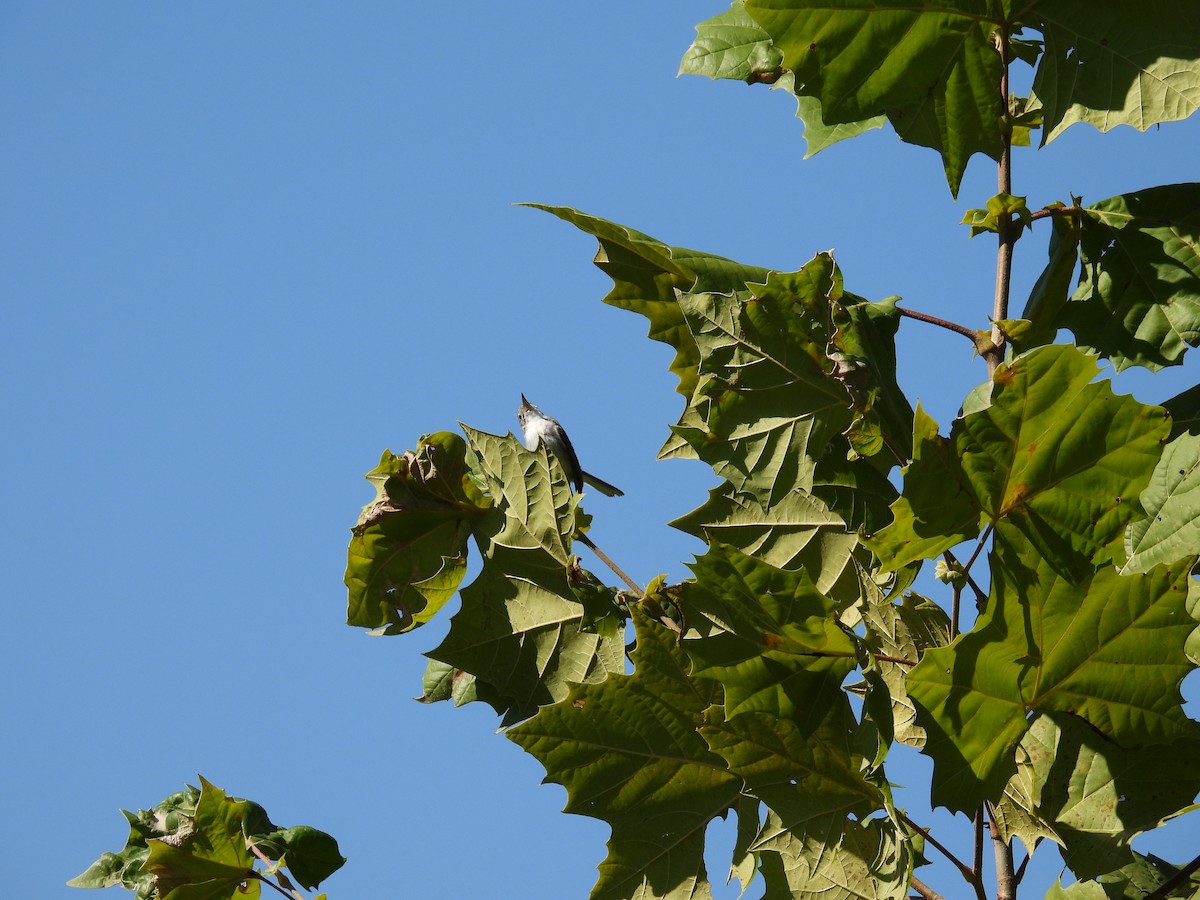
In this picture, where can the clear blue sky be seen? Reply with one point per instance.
(245, 247)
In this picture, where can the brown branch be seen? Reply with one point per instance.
(651, 606)
(978, 859)
(924, 890)
(972, 336)
(1006, 885)
(963, 869)
(1005, 231)
(587, 541)
(898, 660)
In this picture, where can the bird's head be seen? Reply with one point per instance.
(526, 409)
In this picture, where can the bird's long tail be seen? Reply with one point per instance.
(602, 486)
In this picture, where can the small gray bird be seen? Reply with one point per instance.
(540, 427)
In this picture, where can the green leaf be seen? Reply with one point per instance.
(756, 359)
(310, 855)
(799, 343)
(211, 859)
(524, 641)
(537, 509)
(800, 531)
(521, 629)
(1139, 879)
(1184, 410)
(932, 69)
(1060, 457)
(937, 508)
(869, 860)
(1016, 813)
(1111, 64)
(1100, 796)
(1138, 300)
(782, 649)
(1171, 529)
(1106, 647)
(817, 134)
(731, 45)
(444, 682)
(904, 631)
(806, 776)
(628, 752)
(999, 212)
(408, 553)
(646, 275)
(193, 846)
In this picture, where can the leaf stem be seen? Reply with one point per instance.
(254, 849)
(966, 332)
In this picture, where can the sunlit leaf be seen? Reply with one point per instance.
(782, 649)
(938, 507)
(904, 631)
(1106, 647)
(1171, 529)
(1138, 300)
(1059, 456)
(1100, 795)
(931, 68)
(848, 860)
(408, 552)
(799, 531)
(629, 753)
(731, 45)
(646, 275)
(1112, 64)
(520, 631)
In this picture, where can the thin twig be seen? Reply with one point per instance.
(650, 605)
(633, 585)
(972, 336)
(1020, 873)
(963, 869)
(955, 609)
(898, 660)
(979, 852)
(1165, 889)
(980, 593)
(924, 890)
(291, 895)
(987, 533)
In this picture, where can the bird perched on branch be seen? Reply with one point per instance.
(540, 427)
